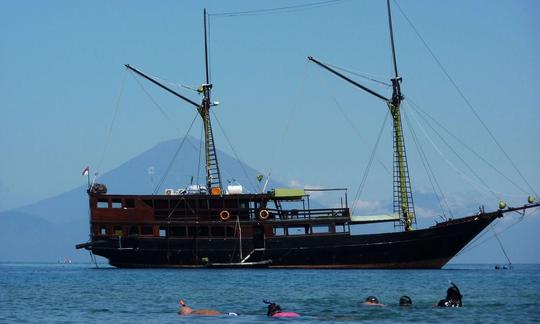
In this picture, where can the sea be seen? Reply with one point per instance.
(82, 293)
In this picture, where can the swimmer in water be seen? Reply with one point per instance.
(372, 301)
(274, 310)
(186, 310)
(405, 301)
(453, 297)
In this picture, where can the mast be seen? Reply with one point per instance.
(403, 200)
(213, 176)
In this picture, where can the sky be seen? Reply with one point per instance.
(63, 83)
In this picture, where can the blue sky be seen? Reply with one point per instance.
(62, 71)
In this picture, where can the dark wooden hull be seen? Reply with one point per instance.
(429, 248)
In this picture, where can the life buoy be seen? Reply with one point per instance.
(264, 214)
(224, 215)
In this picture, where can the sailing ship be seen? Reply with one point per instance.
(213, 226)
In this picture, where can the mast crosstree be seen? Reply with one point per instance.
(402, 197)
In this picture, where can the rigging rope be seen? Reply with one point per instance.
(278, 10)
(349, 121)
(162, 180)
(439, 125)
(482, 185)
(500, 244)
(236, 155)
(467, 102)
(473, 244)
(167, 117)
(361, 75)
(368, 167)
(461, 173)
(429, 170)
(115, 113)
(200, 154)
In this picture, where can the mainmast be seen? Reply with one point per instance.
(403, 201)
(213, 176)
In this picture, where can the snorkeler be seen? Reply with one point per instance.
(453, 297)
(186, 310)
(274, 310)
(405, 301)
(372, 301)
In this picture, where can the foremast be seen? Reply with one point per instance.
(403, 200)
(213, 175)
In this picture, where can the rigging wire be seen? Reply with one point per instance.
(167, 117)
(297, 93)
(467, 102)
(358, 133)
(368, 167)
(359, 74)
(168, 169)
(200, 155)
(481, 185)
(500, 244)
(235, 154)
(278, 10)
(115, 114)
(420, 111)
(429, 170)
(474, 243)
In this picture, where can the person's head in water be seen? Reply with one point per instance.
(453, 297)
(405, 301)
(453, 293)
(372, 301)
(273, 308)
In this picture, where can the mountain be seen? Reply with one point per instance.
(49, 229)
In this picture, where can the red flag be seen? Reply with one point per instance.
(86, 171)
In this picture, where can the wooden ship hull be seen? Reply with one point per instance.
(130, 233)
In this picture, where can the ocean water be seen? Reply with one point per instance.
(80, 293)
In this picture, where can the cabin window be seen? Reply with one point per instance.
(161, 204)
(341, 228)
(320, 229)
(279, 230)
(218, 231)
(103, 230)
(162, 232)
(116, 203)
(129, 203)
(147, 230)
(202, 231)
(203, 204)
(103, 203)
(117, 230)
(148, 202)
(231, 203)
(216, 203)
(134, 230)
(298, 230)
(178, 231)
